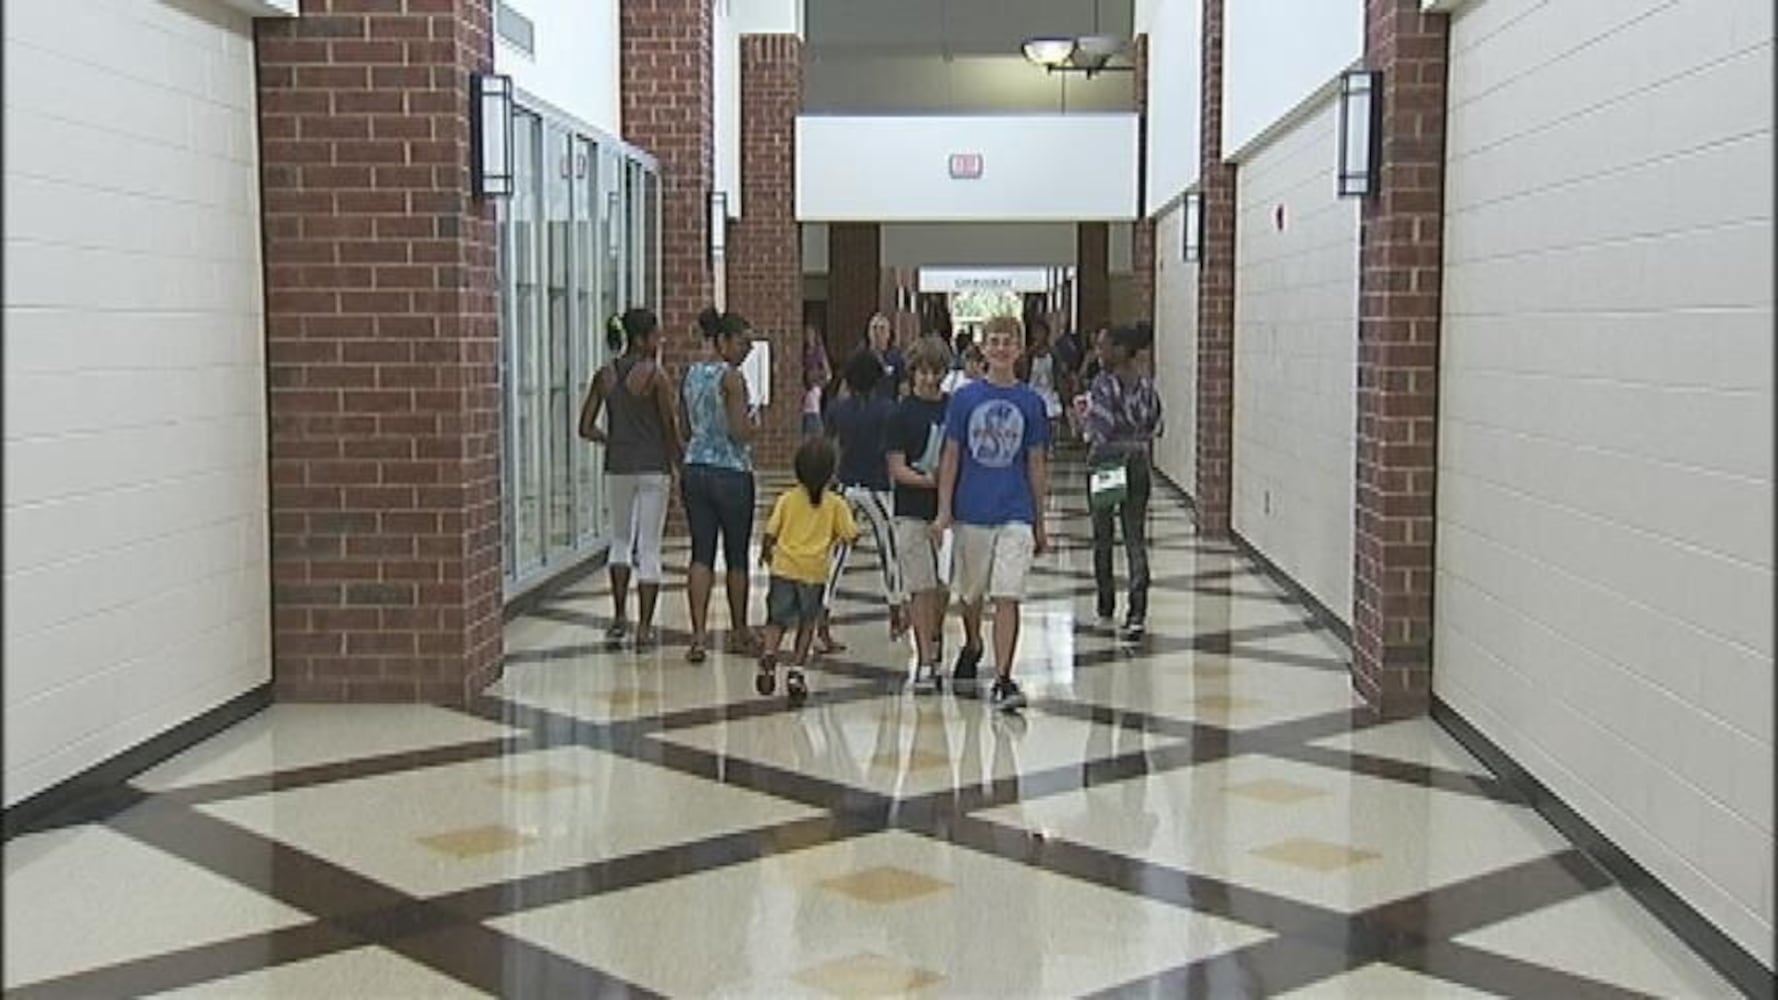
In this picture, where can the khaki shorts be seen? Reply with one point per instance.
(993, 562)
(925, 564)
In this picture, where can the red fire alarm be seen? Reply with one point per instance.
(966, 166)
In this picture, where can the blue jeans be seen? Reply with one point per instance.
(718, 502)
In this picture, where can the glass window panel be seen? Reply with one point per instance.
(590, 344)
(558, 364)
(523, 353)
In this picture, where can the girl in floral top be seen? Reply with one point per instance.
(1121, 415)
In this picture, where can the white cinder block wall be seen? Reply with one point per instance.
(1176, 350)
(1604, 588)
(1296, 351)
(135, 564)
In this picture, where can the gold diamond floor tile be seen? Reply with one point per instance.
(868, 975)
(1276, 792)
(477, 841)
(1315, 855)
(885, 884)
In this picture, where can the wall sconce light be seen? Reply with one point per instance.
(1361, 132)
(490, 112)
(1191, 229)
(718, 224)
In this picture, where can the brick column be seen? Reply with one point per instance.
(854, 278)
(765, 249)
(1216, 298)
(667, 111)
(1142, 234)
(382, 348)
(1092, 258)
(1401, 245)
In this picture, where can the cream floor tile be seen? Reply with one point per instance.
(497, 819)
(772, 928)
(1229, 691)
(604, 687)
(86, 896)
(287, 736)
(361, 972)
(1384, 982)
(908, 745)
(1197, 819)
(1416, 741)
(1607, 936)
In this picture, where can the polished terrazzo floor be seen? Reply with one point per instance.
(1207, 815)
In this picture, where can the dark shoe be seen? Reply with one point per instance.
(646, 639)
(963, 672)
(1133, 631)
(766, 679)
(795, 687)
(1006, 696)
(614, 635)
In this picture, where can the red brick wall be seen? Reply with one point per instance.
(1142, 234)
(854, 280)
(667, 110)
(765, 252)
(1216, 297)
(1092, 257)
(1400, 253)
(381, 354)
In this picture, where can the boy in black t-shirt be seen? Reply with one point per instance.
(915, 439)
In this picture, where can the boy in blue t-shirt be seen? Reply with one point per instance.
(992, 483)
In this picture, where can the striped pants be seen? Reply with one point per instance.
(872, 510)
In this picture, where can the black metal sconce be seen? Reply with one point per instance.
(490, 111)
(1361, 132)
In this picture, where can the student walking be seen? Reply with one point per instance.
(1122, 412)
(992, 485)
(859, 423)
(717, 485)
(805, 524)
(642, 452)
(915, 441)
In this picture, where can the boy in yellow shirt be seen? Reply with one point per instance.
(797, 548)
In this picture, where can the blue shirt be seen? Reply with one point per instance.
(995, 428)
(860, 424)
(710, 442)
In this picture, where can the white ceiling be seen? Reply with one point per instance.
(954, 27)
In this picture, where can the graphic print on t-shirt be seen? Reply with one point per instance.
(996, 433)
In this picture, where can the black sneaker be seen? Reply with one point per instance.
(1006, 696)
(1133, 630)
(926, 679)
(766, 679)
(963, 679)
(795, 687)
(614, 636)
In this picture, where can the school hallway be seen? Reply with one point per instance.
(1211, 814)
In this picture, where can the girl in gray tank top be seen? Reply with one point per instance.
(642, 450)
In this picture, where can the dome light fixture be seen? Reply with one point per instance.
(1089, 54)
(1049, 52)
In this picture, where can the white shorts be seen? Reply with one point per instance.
(993, 561)
(925, 563)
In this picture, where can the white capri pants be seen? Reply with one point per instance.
(871, 508)
(638, 516)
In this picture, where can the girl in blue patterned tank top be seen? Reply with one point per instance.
(718, 481)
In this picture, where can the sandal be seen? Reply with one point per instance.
(742, 643)
(614, 635)
(646, 639)
(766, 678)
(826, 644)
